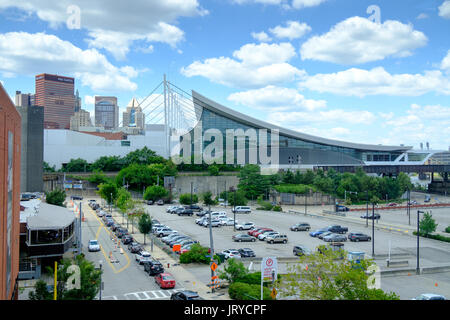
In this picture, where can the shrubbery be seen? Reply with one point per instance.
(56, 197)
(185, 198)
(197, 253)
(245, 291)
(433, 236)
(447, 229)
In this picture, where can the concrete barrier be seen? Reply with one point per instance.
(396, 263)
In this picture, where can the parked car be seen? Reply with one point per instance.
(245, 226)
(337, 229)
(185, 295)
(243, 237)
(142, 257)
(266, 234)
(149, 202)
(178, 241)
(76, 198)
(200, 221)
(194, 207)
(160, 202)
(318, 232)
(392, 204)
(246, 252)
(202, 213)
(165, 280)
(170, 237)
(302, 226)
(278, 238)
(135, 247)
(120, 232)
(185, 212)
(93, 246)
(325, 234)
(376, 216)
(335, 238)
(173, 209)
(256, 234)
(127, 239)
(254, 230)
(115, 226)
(218, 214)
(109, 222)
(214, 223)
(301, 250)
(412, 202)
(357, 236)
(427, 198)
(341, 208)
(186, 242)
(429, 296)
(170, 208)
(225, 221)
(231, 253)
(242, 209)
(164, 232)
(157, 226)
(153, 267)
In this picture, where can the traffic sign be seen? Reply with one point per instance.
(269, 269)
(273, 293)
(213, 266)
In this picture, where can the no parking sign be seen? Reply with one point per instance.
(269, 269)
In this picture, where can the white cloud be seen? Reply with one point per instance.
(444, 9)
(260, 65)
(293, 30)
(430, 123)
(89, 100)
(358, 40)
(422, 16)
(377, 81)
(36, 53)
(273, 98)
(285, 4)
(445, 64)
(261, 36)
(115, 25)
(330, 116)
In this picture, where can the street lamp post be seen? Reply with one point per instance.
(233, 189)
(417, 267)
(101, 284)
(373, 229)
(367, 208)
(110, 204)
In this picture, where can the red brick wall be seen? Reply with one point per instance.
(9, 122)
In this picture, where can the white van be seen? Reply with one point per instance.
(218, 214)
(242, 209)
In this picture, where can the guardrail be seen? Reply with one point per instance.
(433, 205)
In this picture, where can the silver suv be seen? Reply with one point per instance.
(277, 238)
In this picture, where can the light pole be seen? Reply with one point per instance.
(110, 204)
(233, 189)
(350, 192)
(417, 267)
(373, 229)
(101, 284)
(367, 208)
(408, 210)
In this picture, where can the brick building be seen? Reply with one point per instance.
(10, 148)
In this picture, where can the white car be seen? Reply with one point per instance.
(429, 296)
(143, 256)
(217, 214)
(263, 236)
(93, 246)
(162, 232)
(226, 221)
(245, 226)
(242, 209)
(231, 253)
(101, 213)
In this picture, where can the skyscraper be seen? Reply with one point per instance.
(106, 112)
(56, 94)
(133, 117)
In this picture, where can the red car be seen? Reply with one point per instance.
(256, 234)
(251, 232)
(392, 204)
(165, 281)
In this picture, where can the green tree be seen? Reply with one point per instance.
(123, 200)
(145, 224)
(143, 156)
(233, 270)
(237, 199)
(213, 170)
(98, 177)
(325, 276)
(252, 183)
(40, 292)
(108, 163)
(185, 198)
(427, 224)
(155, 193)
(56, 197)
(137, 176)
(89, 281)
(77, 165)
(208, 200)
(47, 168)
(108, 192)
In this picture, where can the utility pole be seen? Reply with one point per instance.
(373, 229)
(211, 243)
(191, 193)
(367, 208)
(417, 267)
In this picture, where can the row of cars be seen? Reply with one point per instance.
(260, 233)
(336, 233)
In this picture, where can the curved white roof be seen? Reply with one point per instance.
(240, 117)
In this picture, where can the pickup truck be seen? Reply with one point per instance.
(337, 229)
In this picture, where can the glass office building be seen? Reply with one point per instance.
(295, 148)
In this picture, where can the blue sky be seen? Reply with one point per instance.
(323, 67)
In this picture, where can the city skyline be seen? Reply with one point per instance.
(297, 64)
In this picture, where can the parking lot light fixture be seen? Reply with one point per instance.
(417, 266)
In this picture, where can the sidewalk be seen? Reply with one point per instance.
(185, 278)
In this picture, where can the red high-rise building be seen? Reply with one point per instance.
(56, 94)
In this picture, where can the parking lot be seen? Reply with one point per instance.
(385, 241)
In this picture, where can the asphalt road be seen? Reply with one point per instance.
(125, 279)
